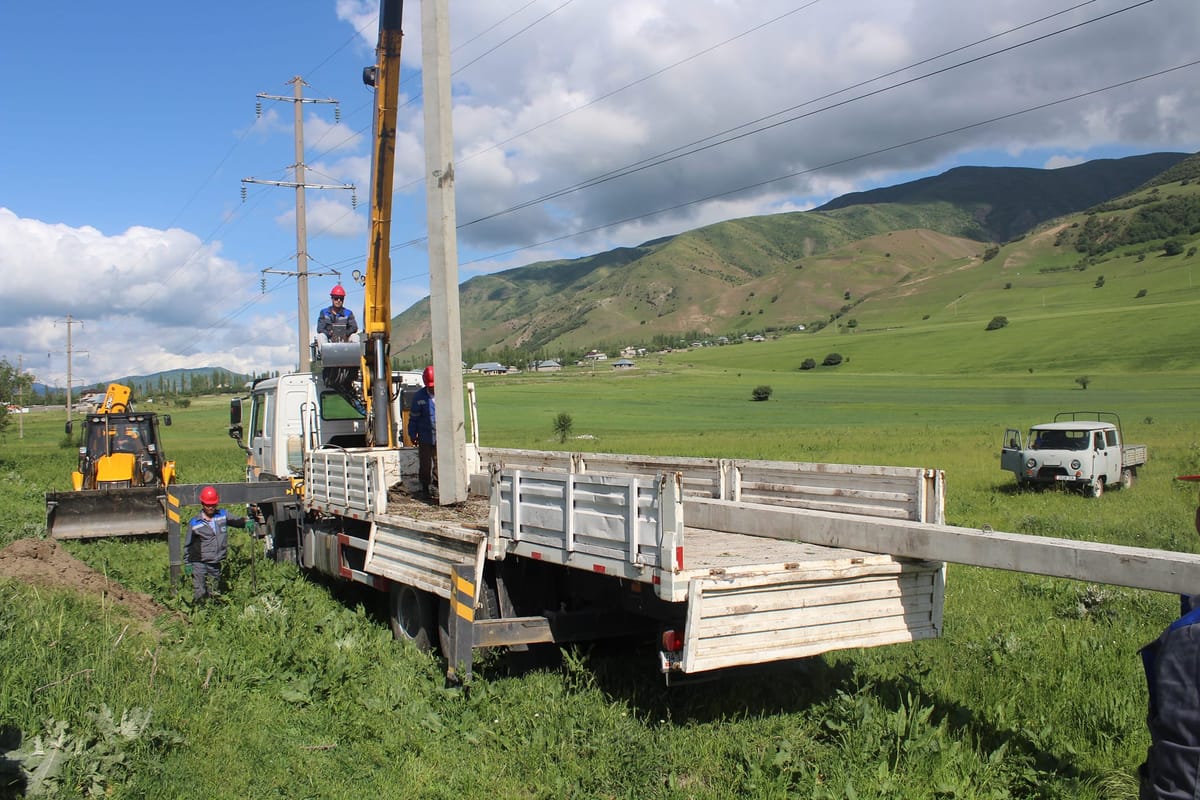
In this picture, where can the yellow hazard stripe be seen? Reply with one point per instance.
(464, 611)
(463, 586)
(172, 507)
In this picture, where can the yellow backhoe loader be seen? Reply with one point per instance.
(119, 488)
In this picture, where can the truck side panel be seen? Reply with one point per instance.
(422, 554)
(733, 622)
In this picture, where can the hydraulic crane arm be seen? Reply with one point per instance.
(385, 78)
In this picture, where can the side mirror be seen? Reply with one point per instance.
(235, 432)
(70, 424)
(235, 411)
(166, 420)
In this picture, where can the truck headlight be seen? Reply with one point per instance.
(1031, 463)
(1076, 463)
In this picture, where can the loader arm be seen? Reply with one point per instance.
(385, 78)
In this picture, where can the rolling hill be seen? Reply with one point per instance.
(846, 260)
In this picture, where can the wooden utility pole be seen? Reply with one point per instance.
(301, 273)
(445, 332)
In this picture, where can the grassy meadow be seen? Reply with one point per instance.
(293, 688)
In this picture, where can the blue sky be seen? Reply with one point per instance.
(128, 127)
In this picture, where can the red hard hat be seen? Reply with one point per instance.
(337, 291)
(427, 376)
(209, 496)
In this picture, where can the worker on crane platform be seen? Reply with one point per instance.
(336, 323)
(1172, 663)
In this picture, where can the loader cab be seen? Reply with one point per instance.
(121, 450)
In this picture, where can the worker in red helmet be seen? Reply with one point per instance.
(336, 323)
(1172, 664)
(207, 543)
(422, 429)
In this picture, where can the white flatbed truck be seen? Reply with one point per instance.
(727, 562)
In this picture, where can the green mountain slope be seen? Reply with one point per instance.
(1006, 201)
(866, 262)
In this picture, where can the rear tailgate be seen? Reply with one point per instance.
(844, 601)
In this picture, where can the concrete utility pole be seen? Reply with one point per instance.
(446, 334)
(298, 100)
(20, 400)
(69, 321)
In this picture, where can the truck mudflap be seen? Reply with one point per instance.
(93, 514)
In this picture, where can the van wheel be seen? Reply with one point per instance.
(1128, 478)
(1096, 487)
(412, 614)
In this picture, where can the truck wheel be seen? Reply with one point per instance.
(1096, 487)
(280, 542)
(1128, 478)
(413, 615)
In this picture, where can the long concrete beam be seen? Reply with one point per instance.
(1094, 562)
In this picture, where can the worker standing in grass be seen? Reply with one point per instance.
(422, 429)
(1172, 662)
(207, 544)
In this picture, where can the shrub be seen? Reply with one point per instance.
(991, 253)
(832, 360)
(808, 363)
(1172, 247)
(1100, 282)
(1141, 293)
(563, 424)
(761, 393)
(1083, 381)
(997, 323)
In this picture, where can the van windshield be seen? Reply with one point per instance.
(1060, 440)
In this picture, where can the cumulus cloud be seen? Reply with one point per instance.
(136, 301)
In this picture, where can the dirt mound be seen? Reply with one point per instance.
(43, 563)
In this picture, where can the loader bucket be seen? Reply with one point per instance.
(92, 514)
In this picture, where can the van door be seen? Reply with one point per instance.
(1010, 451)
(1108, 458)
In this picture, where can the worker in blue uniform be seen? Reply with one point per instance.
(207, 544)
(1172, 664)
(422, 430)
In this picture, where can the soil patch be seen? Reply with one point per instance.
(43, 563)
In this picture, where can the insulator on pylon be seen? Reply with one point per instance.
(243, 192)
(337, 114)
(258, 110)
(262, 285)
(354, 200)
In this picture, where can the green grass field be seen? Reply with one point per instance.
(293, 687)
(297, 690)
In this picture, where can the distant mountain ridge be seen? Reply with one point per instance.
(773, 271)
(1009, 201)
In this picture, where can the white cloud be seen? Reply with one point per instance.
(138, 301)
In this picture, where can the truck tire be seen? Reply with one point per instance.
(1096, 487)
(281, 540)
(413, 615)
(1128, 478)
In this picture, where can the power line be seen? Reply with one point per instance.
(707, 143)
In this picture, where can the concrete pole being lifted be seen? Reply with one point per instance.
(446, 333)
